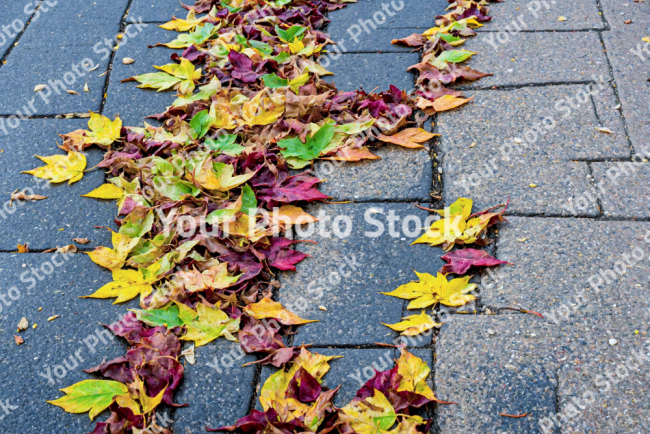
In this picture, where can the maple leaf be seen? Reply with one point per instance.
(409, 138)
(430, 290)
(206, 324)
(262, 109)
(93, 396)
(61, 168)
(271, 309)
(103, 131)
(184, 25)
(372, 415)
(459, 261)
(299, 154)
(116, 257)
(450, 229)
(106, 191)
(414, 324)
(128, 284)
(178, 76)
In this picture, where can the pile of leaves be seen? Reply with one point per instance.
(204, 202)
(294, 401)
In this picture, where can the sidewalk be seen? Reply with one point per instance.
(578, 239)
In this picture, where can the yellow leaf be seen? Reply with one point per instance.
(90, 395)
(430, 290)
(289, 215)
(414, 373)
(126, 284)
(263, 110)
(414, 324)
(271, 309)
(298, 81)
(373, 415)
(184, 25)
(103, 131)
(126, 401)
(148, 403)
(646, 39)
(116, 257)
(206, 324)
(61, 168)
(106, 191)
(316, 364)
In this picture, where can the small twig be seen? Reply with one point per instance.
(426, 209)
(516, 416)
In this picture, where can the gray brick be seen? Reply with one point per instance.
(14, 17)
(491, 365)
(354, 306)
(216, 396)
(52, 343)
(131, 103)
(158, 11)
(39, 223)
(412, 13)
(377, 41)
(401, 174)
(353, 71)
(570, 269)
(625, 188)
(534, 58)
(509, 15)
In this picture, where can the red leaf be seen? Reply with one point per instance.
(459, 261)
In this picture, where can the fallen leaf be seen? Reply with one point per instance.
(605, 130)
(430, 290)
(409, 138)
(86, 89)
(106, 191)
(127, 61)
(267, 309)
(532, 185)
(61, 168)
(70, 248)
(562, 19)
(19, 340)
(414, 324)
(521, 240)
(103, 131)
(39, 87)
(22, 196)
(53, 317)
(23, 248)
(90, 395)
(23, 324)
(81, 240)
(627, 22)
(72, 92)
(460, 261)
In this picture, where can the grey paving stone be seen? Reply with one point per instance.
(51, 65)
(492, 365)
(14, 15)
(158, 11)
(406, 14)
(632, 87)
(533, 58)
(349, 40)
(39, 223)
(563, 116)
(76, 22)
(354, 306)
(556, 181)
(353, 71)
(53, 345)
(217, 388)
(580, 15)
(625, 188)
(570, 269)
(604, 387)
(401, 174)
(131, 103)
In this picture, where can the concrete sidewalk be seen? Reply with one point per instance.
(578, 239)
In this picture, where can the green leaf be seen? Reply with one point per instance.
(262, 47)
(157, 80)
(225, 144)
(137, 223)
(291, 33)
(272, 81)
(299, 154)
(200, 123)
(248, 200)
(160, 317)
(205, 93)
(322, 137)
(90, 395)
(449, 38)
(282, 57)
(451, 56)
(174, 188)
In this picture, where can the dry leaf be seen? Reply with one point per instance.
(127, 61)
(23, 324)
(86, 89)
(562, 19)
(19, 340)
(521, 240)
(71, 92)
(472, 145)
(322, 308)
(627, 22)
(70, 248)
(23, 248)
(408, 138)
(53, 317)
(81, 240)
(39, 87)
(22, 196)
(605, 130)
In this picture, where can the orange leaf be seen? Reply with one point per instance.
(409, 138)
(449, 102)
(352, 154)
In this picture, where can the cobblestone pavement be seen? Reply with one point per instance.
(579, 240)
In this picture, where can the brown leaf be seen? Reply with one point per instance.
(22, 196)
(23, 248)
(81, 240)
(409, 138)
(627, 22)
(23, 324)
(74, 141)
(70, 248)
(39, 87)
(19, 340)
(127, 61)
(71, 92)
(414, 40)
(352, 154)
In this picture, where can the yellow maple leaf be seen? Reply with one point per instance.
(106, 191)
(184, 25)
(414, 324)
(435, 289)
(103, 131)
(262, 109)
(116, 257)
(61, 168)
(272, 309)
(127, 284)
(373, 415)
(206, 323)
